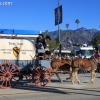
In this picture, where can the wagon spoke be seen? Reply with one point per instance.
(15, 73)
(9, 83)
(3, 82)
(6, 83)
(37, 83)
(7, 67)
(12, 68)
(1, 74)
(37, 73)
(1, 71)
(47, 77)
(36, 77)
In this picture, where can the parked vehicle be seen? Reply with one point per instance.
(87, 51)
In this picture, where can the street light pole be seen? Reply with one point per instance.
(59, 32)
(58, 26)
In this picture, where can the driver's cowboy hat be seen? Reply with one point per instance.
(48, 37)
(41, 35)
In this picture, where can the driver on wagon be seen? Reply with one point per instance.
(41, 41)
(45, 40)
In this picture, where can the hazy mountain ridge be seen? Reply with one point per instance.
(78, 36)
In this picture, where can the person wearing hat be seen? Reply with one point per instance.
(45, 40)
(38, 41)
(39, 38)
(48, 37)
(42, 40)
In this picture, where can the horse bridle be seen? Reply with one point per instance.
(95, 60)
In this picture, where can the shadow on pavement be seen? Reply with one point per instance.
(55, 89)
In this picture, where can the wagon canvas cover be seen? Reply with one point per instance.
(17, 49)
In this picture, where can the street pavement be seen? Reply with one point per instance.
(55, 86)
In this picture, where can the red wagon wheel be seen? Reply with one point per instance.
(41, 76)
(9, 74)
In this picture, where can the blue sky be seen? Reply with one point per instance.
(39, 14)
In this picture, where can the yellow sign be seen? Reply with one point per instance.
(16, 51)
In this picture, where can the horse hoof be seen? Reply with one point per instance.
(72, 82)
(92, 81)
(78, 82)
(68, 78)
(61, 81)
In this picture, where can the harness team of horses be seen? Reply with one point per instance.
(73, 65)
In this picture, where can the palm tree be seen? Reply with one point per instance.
(71, 33)
(65, 34)
(46, 32)
(77, 22)
(67, 26)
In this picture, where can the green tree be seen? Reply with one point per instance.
(96, 40)
(77, 22)
(52, 44)
(67, 26)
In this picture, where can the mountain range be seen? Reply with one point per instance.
(78, 36)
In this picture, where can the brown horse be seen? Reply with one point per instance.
(96, 57)
(85, 64)
(60, 66)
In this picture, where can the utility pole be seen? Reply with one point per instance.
(58, 26)
(59, 31)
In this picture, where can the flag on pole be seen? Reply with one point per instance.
(58, 15)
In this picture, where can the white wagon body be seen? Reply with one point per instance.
(18, 60)
(17, 49)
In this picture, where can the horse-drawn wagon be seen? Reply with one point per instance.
(18, 59)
